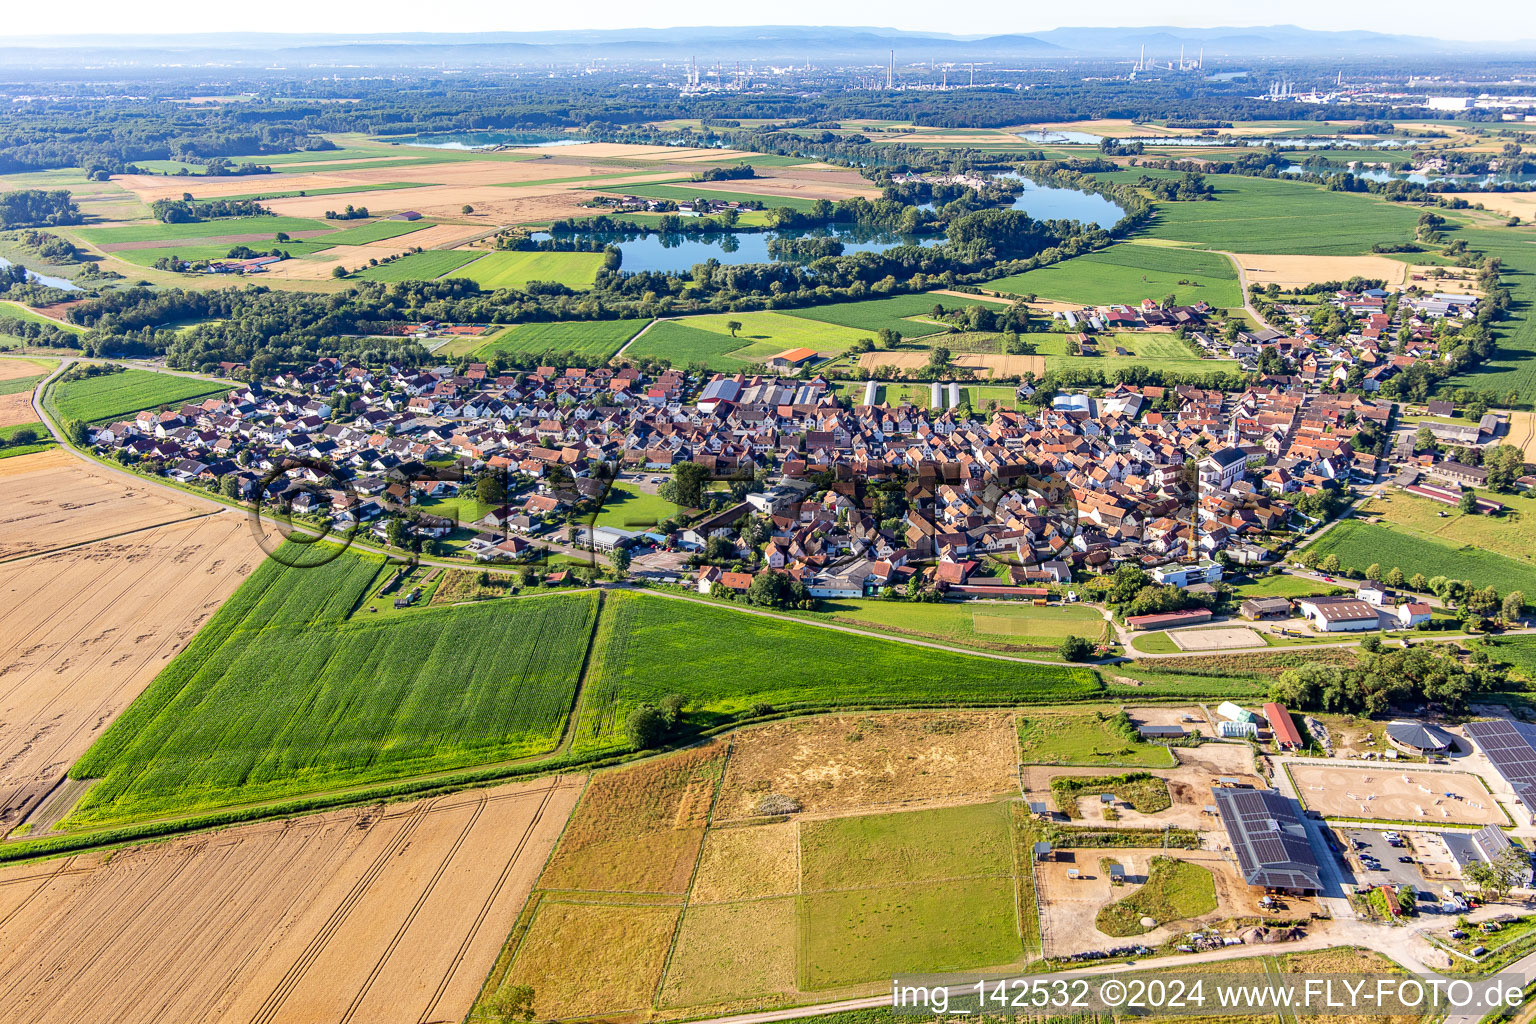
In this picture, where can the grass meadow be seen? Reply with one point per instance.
(515, 269)
(1128, 273)
(1361, 545)
(374, 231)
(281, 694)
(1085, 738)
(707, 339)
(202, 251)
(971, 623)
(599, 339)
(873, 314)
(16, 311)
(1175, 890)
(112, 396)
(725, 662)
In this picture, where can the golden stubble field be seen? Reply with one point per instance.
(381, 914)
(123, 578)
(1292, 271)
(17, 407)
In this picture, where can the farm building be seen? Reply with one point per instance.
(1484, 846)
(1161, 732)
(1256, 608)
(1413, 613)
(1234, 713)
(791, 359)
(1282, 728)
(1269, 840)
(1166, 620)
(1338, 614)
(1417, 738)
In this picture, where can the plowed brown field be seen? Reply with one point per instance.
(373, 915)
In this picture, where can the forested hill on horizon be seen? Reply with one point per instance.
(800, 43)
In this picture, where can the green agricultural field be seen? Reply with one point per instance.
(375, 231)
(1129, 272)
(1175, 890)
(282, 694)
(416, 266)
(629, 508)
(112, 396)
(16, 311)
(217, 251)
(217, 228)
(1519, 651)
(726, 662)
(982, 625)
(685, 193)
(1512, 533)
(1513, 366)
(599, 339)
(1273, 215)
(708, 339)
(1360, 545)
(873, 314)
(15, 385)
(1087, 738)
(515, 269)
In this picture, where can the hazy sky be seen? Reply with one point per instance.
(1501, 20)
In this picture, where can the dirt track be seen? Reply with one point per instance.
(371, 916)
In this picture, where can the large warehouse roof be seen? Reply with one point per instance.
(1511, 746)
(1269, 839)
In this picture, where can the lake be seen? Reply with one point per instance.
(662, 253)
(1052, 202)
(485, 140)
(53, 282)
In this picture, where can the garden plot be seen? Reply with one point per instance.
(1216, 639)
(1396, 794)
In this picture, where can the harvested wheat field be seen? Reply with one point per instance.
(797, 182)
(1510, 204)
(376, 915)
(11, 369)
(53, 499)
(1396, 794)
(17, 408)
(1522, 432)
(87, 629)
(845, 762)
(1292, 271)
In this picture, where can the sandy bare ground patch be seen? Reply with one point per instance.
(1396, 794)
(378, 914)
(1511, 204)
(842, 762)
(51, 500)
(1291, 271)
(1070, 906)
(87, 628)
(1189, 786)
(1215, 639)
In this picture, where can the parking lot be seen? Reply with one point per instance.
(1363, 843)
